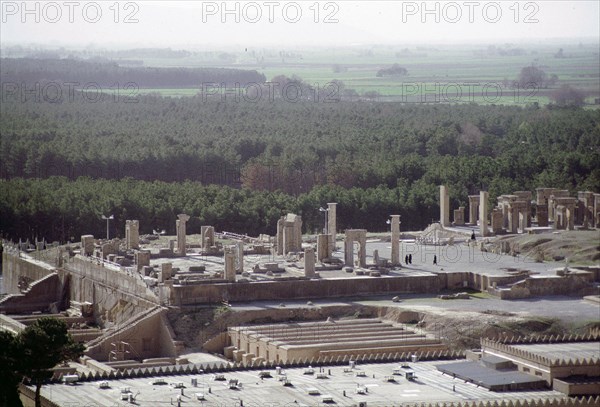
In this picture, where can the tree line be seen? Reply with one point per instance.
(107, 74)
(59, 209)
(241, 165)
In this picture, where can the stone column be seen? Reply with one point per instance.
(280, 224)
(288, 238)
(459, 216)
(473, 209)
(362, 253)
(203, 230)
(181, 232)
(309, 262)
(348, 251)
(497, 220)
(444, 206)
(142, 258)
(332, 223)
(298, 233)
(323, 247)
(87, 245)
(513, 218)
(596, 212)
(395, 239)
(132, 234)
(483, 213)
(240, 248)
(570, 214)
(166, 271)
(229, 264)
(542, 215)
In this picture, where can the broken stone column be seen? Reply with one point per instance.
(240, 257)
(323, 247)
(473, 209)
(459, 216)
(132, 234)
(596, 212)
(87, 245)
(542, 215)
(207, 234)
(395, 226)
(229, 263)
(289, 234)
(298, 231)
(142, 258)
(497, 221)
(332, 223)
(483, 213)
(181, 232)
(513, 218)
(360, 236)
(559, 217)
(525, 197)
(444, 206)
(376, 257)
(585, 212)
(567, 211)
(553, 200)
(279, 236)
(166, 272)
(309, 262)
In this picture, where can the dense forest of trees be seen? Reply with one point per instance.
(109, 74)
(239, 165)
(59, 209)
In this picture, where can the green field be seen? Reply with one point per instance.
(448, 74)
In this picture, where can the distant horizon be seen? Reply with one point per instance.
(251, 24)
(586, 41)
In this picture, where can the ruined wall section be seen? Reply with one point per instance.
(116, 294)
(300, 289)
(147, 335)
(18, 265)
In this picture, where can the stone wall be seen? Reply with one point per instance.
(115, 294)
(15, 265)
(551, 285)
(38, 297)
(303, 289)
(147, 335)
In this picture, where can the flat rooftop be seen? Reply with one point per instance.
(431, 386)
(564, 351)
(496, 380)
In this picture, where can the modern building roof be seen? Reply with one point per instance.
(430, 386)
(496, 380)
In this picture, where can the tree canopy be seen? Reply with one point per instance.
(32, 354)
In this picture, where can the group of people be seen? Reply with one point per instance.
(408, 259)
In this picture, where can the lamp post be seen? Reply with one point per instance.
(108, 219)
(326, 211)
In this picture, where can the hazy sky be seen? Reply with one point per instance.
(207, 24)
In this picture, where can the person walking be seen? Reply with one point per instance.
(434, 259)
